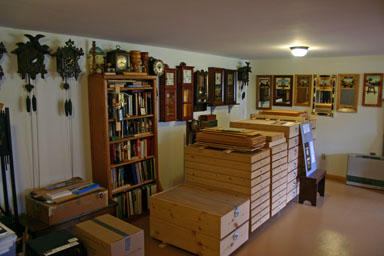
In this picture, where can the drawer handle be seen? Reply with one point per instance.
(296, 141)
(235, 236)
(236, 211)
(294, 173)
(293, 193)
(295, 150)
(294, 183)
(296, 128)
(294, 164)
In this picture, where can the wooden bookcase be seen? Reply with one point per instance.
(111, 148)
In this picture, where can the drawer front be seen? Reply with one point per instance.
(256, 196)
(260, 215)
(279, 169)
(260, 207)
(235, 218)
(293, 165)
(261, 163)
(279, 155)
(281, 200)
(278, 148)
(292, 175)
(260, 171)
(279, 176)
(260, 222)
(278, 208)
(234, 240)
(291, 195)
(291, 185)
(293, 142)
(293, 154)
(279, 195)
(261, 199)
(278, 189)
(261, 178)
(279, 182)
(261, 186)
(279, 162)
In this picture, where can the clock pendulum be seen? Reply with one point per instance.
(2, 51)
(30, 62)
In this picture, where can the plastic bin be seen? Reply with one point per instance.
(7, 242)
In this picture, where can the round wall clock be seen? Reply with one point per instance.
(156, 66)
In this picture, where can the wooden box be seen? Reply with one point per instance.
(290, 129)
(293, 142)
(292, 175)
(293, 154)
(200, 220)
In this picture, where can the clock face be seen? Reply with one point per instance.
(69, 62)
(158, 67)
(170, 79)
(218, 78)
(121, 62)
(187, 76)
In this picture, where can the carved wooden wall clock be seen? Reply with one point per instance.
(184, 92)
(30, 61)
(67, 59)
(2, 51)
(201, 91)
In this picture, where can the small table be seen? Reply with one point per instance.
(309, 186)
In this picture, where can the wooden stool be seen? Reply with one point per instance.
(309, 186)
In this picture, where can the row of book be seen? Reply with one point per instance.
(135, 201)
(128, 128)
(126, 104)
(133, 174)
(129, 83)
(131, 150)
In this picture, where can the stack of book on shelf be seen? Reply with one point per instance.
(130, 150)
(128, 83)
(135, 201)
(129, 103)
(133, 174)
(231, 138)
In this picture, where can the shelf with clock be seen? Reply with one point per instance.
(123, 127)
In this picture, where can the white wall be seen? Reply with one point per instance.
(360, 132)
(53, 126)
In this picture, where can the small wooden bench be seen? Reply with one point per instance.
(309, 186)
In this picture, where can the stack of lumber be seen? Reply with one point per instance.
(243, 173)
(230, 138)
(285, 113)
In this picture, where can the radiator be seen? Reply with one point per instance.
(365, 171)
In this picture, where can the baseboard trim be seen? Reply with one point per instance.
(341, 179)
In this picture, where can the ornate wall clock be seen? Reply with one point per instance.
(230, 86)
(216, 86)
(243, 76)
(201, 91)
(30, 61)
(2, 51)
(184, 92)
(168, 95)
(67, 58)
(156, 66)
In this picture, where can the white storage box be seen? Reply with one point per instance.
(7, 242)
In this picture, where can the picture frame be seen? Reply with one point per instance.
(372, 90)
(302, 90)
(324, 87)
(347, 93)
(282, 90)
(263, 92)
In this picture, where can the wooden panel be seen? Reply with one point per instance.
(220, 177)
(278, 208)
(279, 182)
(290, 129)
(279, 155)
(261, 199)
(279, 148)
(202, 210)
(261, 178)
(293, 154)
(292, 175)
(244, 157)
(291, 185)
(278, 189)
(222, 170)
(293, 165)
(218, 162)
(256, 196)
(261, 171)
(260, 222)
(279, 176)
(260, 207)
(278, 196)
(219, 185)
(271, 144)
(279, 201)
(229, 244)
(261, 163)
(260, 215)
(279, 169)
(291, 195)
(293, 142)
(278, 162)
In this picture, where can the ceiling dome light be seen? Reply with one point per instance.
(299, 51)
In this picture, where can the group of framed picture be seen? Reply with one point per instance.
(319, 91)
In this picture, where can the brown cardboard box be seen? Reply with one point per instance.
(109, 236)
(57, 213)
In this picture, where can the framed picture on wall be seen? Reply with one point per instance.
(282, 90)
(323, 94)
(302, 90)
(372, 90)
(263, 92)
(347, 92)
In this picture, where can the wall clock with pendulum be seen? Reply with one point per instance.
(67, 58)
(30, 62)
(2, 51)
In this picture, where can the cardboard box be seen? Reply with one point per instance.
(109, 236)
(60, 212)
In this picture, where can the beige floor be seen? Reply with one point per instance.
(347, 221)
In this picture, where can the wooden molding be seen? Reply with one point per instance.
(341, 179)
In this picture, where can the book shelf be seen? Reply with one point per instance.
(123, 127)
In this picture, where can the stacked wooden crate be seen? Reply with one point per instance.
(244, 173)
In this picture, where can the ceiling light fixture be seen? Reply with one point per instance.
(299, 51)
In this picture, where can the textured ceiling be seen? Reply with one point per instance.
(247, 29)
